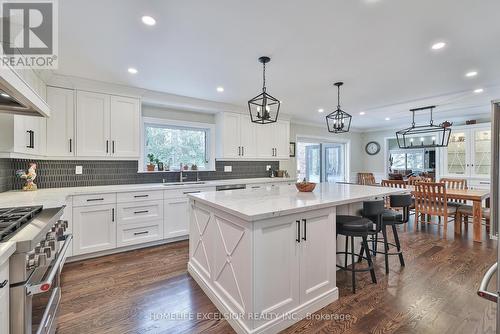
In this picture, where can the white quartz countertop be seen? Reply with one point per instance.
(258, 204)
(6, 250)
(56, 197)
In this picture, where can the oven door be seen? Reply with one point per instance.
(44, 293)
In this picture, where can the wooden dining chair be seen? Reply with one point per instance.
(431, 200)
(452, 183)
(412, 180)
(366, 179)
(392, 184)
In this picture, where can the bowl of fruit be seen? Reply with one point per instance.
(305, 187)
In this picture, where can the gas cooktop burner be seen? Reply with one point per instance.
(12, 219)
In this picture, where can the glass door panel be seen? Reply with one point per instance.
(482, 153)
(456, 154)
(308, 161)
(333, 163)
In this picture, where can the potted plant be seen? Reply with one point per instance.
(151, 164)
(159, 164)
(194, 167)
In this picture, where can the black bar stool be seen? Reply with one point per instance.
(354, 226)
(392, 218)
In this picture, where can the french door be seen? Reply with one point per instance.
(321, 161)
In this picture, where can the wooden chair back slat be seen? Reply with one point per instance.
(393, 183)
(455, 184)
(431, 199)
(366, 178)
(412, 180)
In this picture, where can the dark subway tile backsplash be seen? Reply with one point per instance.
(61, 173)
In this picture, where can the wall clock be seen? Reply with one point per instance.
(372, 148)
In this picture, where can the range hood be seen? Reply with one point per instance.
(17, 97)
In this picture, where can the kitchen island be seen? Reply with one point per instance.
(266, 257)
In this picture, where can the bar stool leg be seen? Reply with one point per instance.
(386, 248)
(346, 249)
(398, 245)
(353, 266)
(369, 259)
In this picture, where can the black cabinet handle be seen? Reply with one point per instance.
(70, 145)
(31, 139)
(239, 150)
(3, 284)
(305, 230)
(139, 233)
(113, 147)
(142, 211)
(113, 214)
(140, 196)
(243, 150)
(191, 192)
(95, 199)
(298, 230)
(107, 146)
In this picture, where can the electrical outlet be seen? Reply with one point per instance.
(268, 168)
(228, 169)
(79, 170)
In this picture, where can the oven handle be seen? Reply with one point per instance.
(483, 288)
(46, 284)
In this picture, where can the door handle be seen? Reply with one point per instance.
(298, 231)
(483, 287)
(305, 230)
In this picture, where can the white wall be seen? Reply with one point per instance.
(178, 115)
(356, 160)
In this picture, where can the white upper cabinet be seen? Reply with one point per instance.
(22, 134)
(239, 138)
(107, 125)
(468, 153)
(60, 124)
(93, 124)
(125, 126)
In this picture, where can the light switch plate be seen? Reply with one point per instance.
(228, 169)
(79, 170)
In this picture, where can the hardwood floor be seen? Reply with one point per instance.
(135, 292)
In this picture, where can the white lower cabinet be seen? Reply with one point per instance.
(94, 228)
(176, 217)
(296, 260)
(139, 222)
(4, 297)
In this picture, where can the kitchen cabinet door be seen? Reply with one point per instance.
(317, 258)
(60, 124)
(265, 141)
(457, 154)
(176, 221)
(125, 126)
(94, 228)
(282, 139)
(4, 298)
(277, 271)
(93, 123)
(248, 138)
(481, 153)
(230, 136)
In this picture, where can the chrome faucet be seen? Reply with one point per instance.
(181, 176)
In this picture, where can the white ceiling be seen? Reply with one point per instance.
(379, 48)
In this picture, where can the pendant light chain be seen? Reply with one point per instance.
(264, 77)
(338, 97)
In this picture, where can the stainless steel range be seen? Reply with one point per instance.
(35, 267)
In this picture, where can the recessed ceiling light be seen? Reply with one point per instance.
(478, 91)
(132, 70)
(5, 95)
(220, 89)
(320, 110)
(148, 20)
(362, 113)
(471, 74)
(387, 119)
(438, 45)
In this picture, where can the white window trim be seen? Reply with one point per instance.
(171, 122)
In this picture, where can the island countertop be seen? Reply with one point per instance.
(258, 204)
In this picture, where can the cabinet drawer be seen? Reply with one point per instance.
(137, 196)
(139, 212)
(137, 233)
(178, 193)
(96, 199)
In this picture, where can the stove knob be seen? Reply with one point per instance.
(42, 260)
(47, 251)
(59, 232)
(38, 249)
(31, 263)
(52, 245)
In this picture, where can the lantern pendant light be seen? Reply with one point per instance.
(264, 108)
(338, 121)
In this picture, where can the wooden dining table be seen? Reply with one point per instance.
(476, 196)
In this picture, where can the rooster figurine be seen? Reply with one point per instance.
(29, 177)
